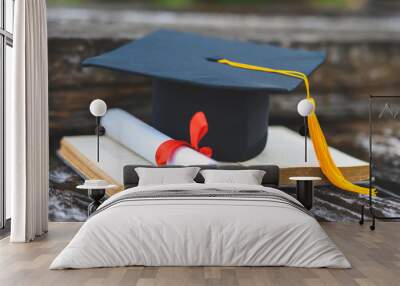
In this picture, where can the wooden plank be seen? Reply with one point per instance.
(374, 255)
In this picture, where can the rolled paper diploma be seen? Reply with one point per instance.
(144, 140)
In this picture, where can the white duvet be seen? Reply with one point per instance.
(200, 231)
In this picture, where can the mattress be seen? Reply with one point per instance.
(201, 225)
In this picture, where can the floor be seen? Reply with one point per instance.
(375, 257)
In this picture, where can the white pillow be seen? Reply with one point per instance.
(247, 177)
(165, 176)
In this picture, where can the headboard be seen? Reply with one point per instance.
(271, 177)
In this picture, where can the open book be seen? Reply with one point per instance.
(285, 149)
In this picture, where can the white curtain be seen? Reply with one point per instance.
(27, 160)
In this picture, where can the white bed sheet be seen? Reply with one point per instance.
(199, 232)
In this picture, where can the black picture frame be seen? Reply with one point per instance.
(370, 206)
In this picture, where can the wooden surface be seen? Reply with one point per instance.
(285, 148)
(103, 22)
(375, 257)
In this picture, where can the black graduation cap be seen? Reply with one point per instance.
(187, 78)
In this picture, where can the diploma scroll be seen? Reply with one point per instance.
(144, 140)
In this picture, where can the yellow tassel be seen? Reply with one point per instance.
(328, 166)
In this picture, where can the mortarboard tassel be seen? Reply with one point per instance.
(328, 166)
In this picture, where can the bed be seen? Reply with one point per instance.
(198, 224)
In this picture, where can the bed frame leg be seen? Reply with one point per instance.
(361, 222)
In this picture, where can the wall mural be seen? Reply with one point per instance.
(224, 101)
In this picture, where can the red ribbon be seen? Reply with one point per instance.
(198, 129)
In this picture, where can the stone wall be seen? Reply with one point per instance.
(363, 58)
